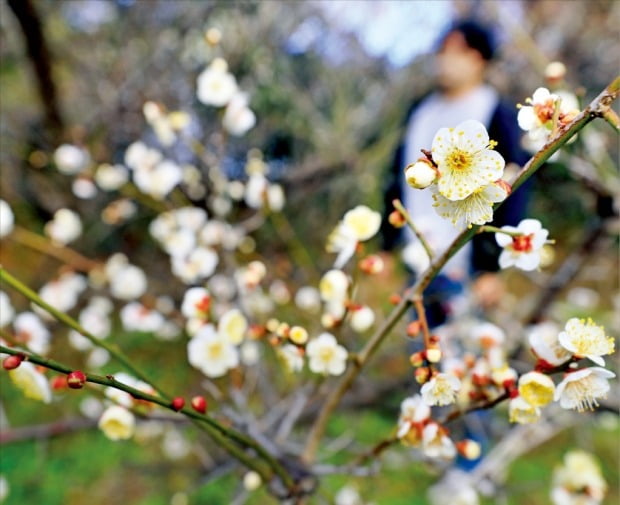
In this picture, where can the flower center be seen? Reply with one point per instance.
(459, 160)
(203, 304)
(523, 243)
(544, 111)
(216, 350)
(326, 354)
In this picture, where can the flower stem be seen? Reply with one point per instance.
(495, 229)
(220, 433)
(398, 205)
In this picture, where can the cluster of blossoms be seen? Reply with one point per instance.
(476, 381)
(464, 173)
(578, 481)
(217, 87)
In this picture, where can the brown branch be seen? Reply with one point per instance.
(40, 56)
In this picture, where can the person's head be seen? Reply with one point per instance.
(463, 54)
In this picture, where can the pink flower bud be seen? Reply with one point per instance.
(12, 362)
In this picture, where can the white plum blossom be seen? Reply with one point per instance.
(415, 257)
(7, 312)
(537, 117)
(326, 356)
(238, 117)
(127, 282)
(70, 159)
(475, 208)
(578, 481)
(435, 442)
(232, 326)
(196, 303)
(84, 188)
(536, 388)
(364, 222)
(139, 156)
(62, 293)
(333, 286)
(197, 265)
(292, 357)
(464, 159)
(117, 423)
(362, 318)
(7, 220)
(522, 412)
(413, 411)
(358, 225)
(159, 180)
(137, 317)
(215, 85)
(308, 298)
(441, 389)
(31, 382)
(212, 353)
(123, 398)
(522, 250)
(65, 227)
(585, 339)
(487, 335)
(30, 330)
(543, 339)
(111, 177)
(580, 390)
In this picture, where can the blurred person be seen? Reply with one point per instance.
(463, 56)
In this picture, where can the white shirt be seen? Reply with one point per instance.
(433, 113)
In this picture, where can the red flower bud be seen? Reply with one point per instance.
(76, 379)
(59, 382)
(199, 404)
(178, 403)
(12, 362)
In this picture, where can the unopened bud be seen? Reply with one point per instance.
(59, 382)
(272, 325)
(395, 298)
(372, 264)
(420, 174)
(12, 362)
(298, 335)
(413, 328)
(555, 71)
(433, 354)
(417, 359)
(252, 481)
(213, 36)
(422, 375)
(328, 321)
(283, 330)
(396, 219)
(469, 449)
(199, 404)
(177, 403)
(76, 379)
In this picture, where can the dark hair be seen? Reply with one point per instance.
(477, 36)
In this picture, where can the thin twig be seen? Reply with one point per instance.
(398, 205)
